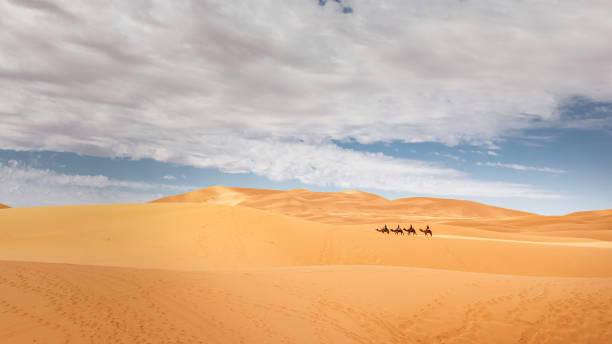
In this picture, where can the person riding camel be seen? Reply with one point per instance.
(411, 227)
(385, 227)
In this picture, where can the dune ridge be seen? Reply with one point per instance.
(345, 207)
(360, 208)
(225, 265)
(3, 206)
(595, 224)
(203, 236)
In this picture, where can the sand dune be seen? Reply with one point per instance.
(203, 236)
(455, 217)
(593, 224)
(348, 207)
(2, 206)
(598, 244)
(228, 265)
(328, 304)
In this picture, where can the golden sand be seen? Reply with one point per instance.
(228, 265)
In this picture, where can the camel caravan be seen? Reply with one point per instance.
(398, 230)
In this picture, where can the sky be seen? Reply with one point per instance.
(507, 103)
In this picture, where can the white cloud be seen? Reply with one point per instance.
(450, 156)
(492, 153)
(322, 166)
(330, 165)
(26, 186)
(169, 177)
(521, 167)
(188, 81)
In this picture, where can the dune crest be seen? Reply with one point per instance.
(360, 208)
(230, 265)
(3, 206)
(344, 207)
(197, 236)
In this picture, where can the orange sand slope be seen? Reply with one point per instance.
(347, 207)
(2, 206)
(226, 265)
(57, 303)
(450, 216)
(209, 236)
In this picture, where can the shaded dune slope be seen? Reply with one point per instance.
(204, 236)
(227, 265)
(346, 207)
(449, 215)
(595, 224)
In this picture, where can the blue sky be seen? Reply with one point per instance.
(506, 103)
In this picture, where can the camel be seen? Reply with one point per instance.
(397, 231)
(426, 231)
(383, 230)
(410, 231)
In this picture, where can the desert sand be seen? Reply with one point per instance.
(3, 206)
(230, 265)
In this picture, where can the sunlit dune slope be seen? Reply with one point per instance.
(595, 224)
(2, 206)
(451, 216)
(210, 236)
(263, 266)
(59, 303)
(347, 207)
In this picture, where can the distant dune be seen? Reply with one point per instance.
(449, 215)
(347, 207)
(230, 265)
(590, 224)
(207, 236)
(2, 206)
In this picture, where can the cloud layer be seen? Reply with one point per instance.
(265, 87)
(23, 185)
(521, 167)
